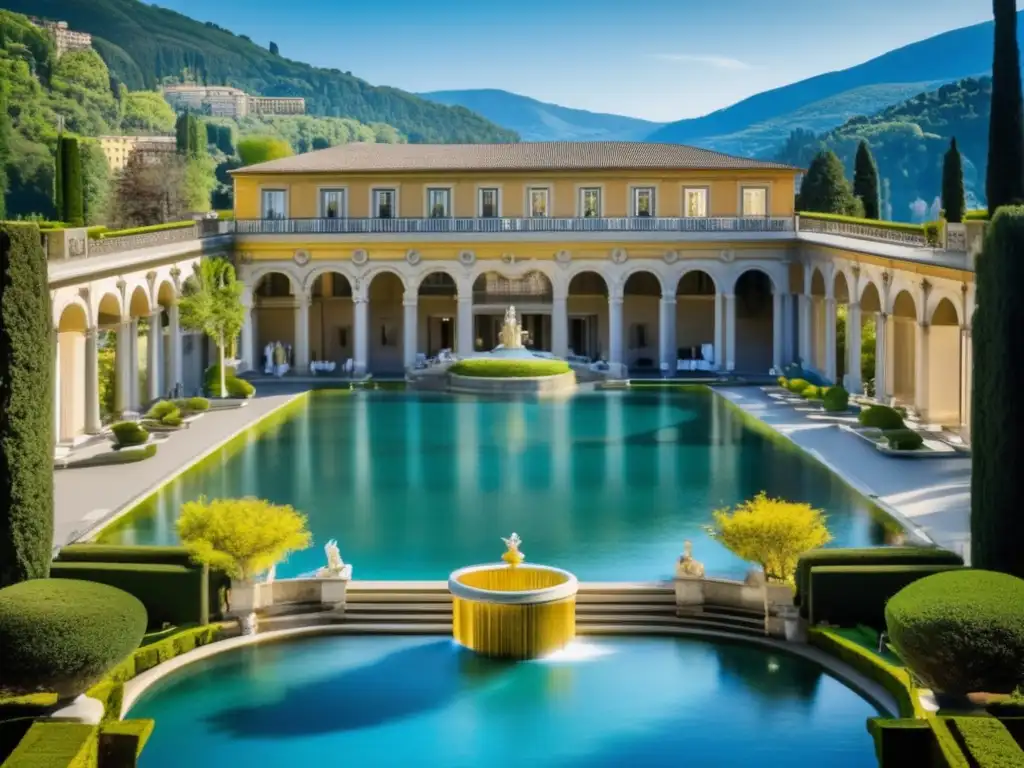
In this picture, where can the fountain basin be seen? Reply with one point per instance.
(513, 611)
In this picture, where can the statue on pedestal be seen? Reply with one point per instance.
(512, 554)
(687, 567)
(335, 565)
(511, 335)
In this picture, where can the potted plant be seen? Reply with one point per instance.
(772, 534)
(244, 538)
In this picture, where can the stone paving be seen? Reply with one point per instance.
(932, 494)
(85, 497)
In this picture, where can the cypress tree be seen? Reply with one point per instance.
(71, 175)
(865, 181)
(825, 188)
(196, 137)
(181, 133)
(5, 151)
(1005, 181)
(58, 180)
(26, 407)
(953, 184)
(997, 442)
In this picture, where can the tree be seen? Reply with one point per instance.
(95, 183)
(262, 149)
(771, 533)
(997, 443)
(150, 191)
(199, 183)
(147, 112)
(865, 181)
(274, 50)
(1005, 182)
(5, 150)
(825, 188)
(212, 304)
(196, 138)
(72, 193)
(26, 408)
(225, 140)
(953, 184)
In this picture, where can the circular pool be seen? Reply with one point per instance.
(403, 701)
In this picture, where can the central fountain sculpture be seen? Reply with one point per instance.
(513, 611)
(512, 333)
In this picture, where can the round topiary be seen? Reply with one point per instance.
(64, 635)
(797, 386)
(128, 433)
(903, 439)
(813, 393)
(961, 631)
(161, 409)
(881, 417)
(240, 388)
(837, 399)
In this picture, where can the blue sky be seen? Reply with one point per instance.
(656, 59)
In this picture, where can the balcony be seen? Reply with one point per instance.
(505, 225)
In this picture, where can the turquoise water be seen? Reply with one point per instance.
(373, 701)
(607, 485)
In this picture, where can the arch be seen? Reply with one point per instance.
(755, 320)
(643, 282)
(61, 306)
(945, 313)
(697, 281)
(696, 304)
(818, 282)
(904, 347)
(275, 284)
(256, 276)
(642, 290)
(532, 293)
(904, 306)
(946, 354)
(139, 303)
(372, 274)
(331, 316)
(870, 296)
(70, 369)
(841, 287)
(166, 295)
(329, 284)
(416, 281)
(747, 269)
(311, 277)
(585, 283)
(385, 291)
(587, 291)
(437, 309)
(74, 317)
(108, 311)
(635, 270)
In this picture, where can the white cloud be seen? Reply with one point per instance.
(718, 62)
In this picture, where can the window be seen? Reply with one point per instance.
(332, 204)
(643, 201)
(539, 201)
(384, 203)
(439, 203)
(695, 202)
(274, 204)
(590, 203)
(488, 203)
(755, 201)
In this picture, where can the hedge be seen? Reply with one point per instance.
(986, 741)
(948, 753)
(192, 405)
(867, 556)
(172, 594)
(901, 742)
(846, 596)
(812, 392)
(65, 635)
(26, 408)
(881, 417)
(161, 409)
(896, 680)
(961, 631)
(837, 399)
(797, 386)
(54, 744)
(509, 369)
(903, 439)
(121, 742)
(146, 230)
(914, 229)
(128, 433)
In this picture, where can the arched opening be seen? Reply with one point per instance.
(841, 293)
(818, 337)
(163, 366)
(587, 307)
(530, 294)
(904, 348)
(386, 293)
(138, 347)
(437, 314)
(108, 321)
(870, 307)
(755, 322)
(273, 317)
(945, 355)
(695, 322)
(70, 365)
(331, 319)
(641, 305)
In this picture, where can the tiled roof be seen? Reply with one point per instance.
(536, 156)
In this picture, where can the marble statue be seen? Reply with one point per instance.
(512, 554)
(687, 567)
(511, 335)
(335, 565)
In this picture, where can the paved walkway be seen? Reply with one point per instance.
(932, 494)
(84, 498)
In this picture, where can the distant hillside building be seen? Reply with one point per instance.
(66, 39)
(225, 101)
(117, 149)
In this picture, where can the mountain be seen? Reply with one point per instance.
(145, 46)
(539, 121)
(960, 53)
(909, 140)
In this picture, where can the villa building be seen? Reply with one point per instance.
(117, 149)
(65, 39)
(224, 101)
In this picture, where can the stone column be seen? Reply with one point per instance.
(302, 335)
(615, 331)
(464, 325)
(56, 387)
(787, 328)
(134, 398)
(778, 322)
(175, 373)
(361, 316)
(560, 326)
(719, 332)
(804, 351)
(881, 374)
(730, 332)
(410, 329)
(922, 370)
(853, 343)
(122, 368)
(245, 341)
(831, 368)
(667, 332)
(966, 396)
(93, 425)
(154, 347)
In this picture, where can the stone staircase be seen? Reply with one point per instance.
(426, 608)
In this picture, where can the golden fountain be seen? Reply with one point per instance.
(513, 611)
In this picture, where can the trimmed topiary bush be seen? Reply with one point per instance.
(813, 393)
(961, 632)
(64, 635)
(172, 419)
(161, 409)
(26, 407)
(881, 417)
(837, 399)
(239, 388)
(903, 439)
(783, 382)
(195, 405)
(211, 379)
(797, 386)
(127, 433)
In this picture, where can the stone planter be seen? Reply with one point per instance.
(247, 597)
(333, 589)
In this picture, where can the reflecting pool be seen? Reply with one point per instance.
(388, 701)
(606, 485)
